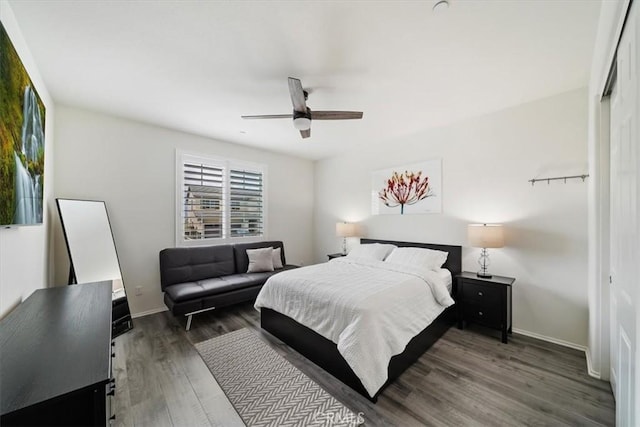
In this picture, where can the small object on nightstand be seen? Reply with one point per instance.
(336, 255)
(486, 301)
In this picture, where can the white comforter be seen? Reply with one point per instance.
(370, 309)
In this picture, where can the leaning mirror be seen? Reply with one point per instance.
(92, 253)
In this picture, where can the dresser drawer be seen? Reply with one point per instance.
(482, 313)
(481, 293)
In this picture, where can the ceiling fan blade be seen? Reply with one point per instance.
(269, 116)
(335, 115)
(297, 95)
(305, 133)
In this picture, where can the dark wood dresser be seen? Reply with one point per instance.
(55, 358)
(486, 301)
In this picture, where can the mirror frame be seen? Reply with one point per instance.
(121, 313)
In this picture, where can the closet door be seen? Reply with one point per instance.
(625, 236)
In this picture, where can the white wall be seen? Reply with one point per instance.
(486, 163)
(24, 251)
(131, 166)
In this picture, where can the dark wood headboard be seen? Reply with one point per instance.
(454, 260)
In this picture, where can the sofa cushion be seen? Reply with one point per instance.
(229, 283)
(182, 265)
(240, 251)
(185, 291)
(214, 286)
(196, 290)
(261, 277)
(219, 285)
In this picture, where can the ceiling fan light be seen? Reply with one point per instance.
(302, 123)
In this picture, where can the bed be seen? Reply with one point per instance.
(324, 352)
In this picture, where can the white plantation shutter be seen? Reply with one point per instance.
(203, 201)
(219, 199)
(246, 202)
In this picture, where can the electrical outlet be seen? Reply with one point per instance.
(138, 290)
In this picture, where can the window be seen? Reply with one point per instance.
(219, 199)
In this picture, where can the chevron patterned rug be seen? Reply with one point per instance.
(267, 390)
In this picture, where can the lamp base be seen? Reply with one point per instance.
(484, 262)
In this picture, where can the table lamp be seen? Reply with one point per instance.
(344, 230)
(485, 236)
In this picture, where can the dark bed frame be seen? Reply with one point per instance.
(324, 352)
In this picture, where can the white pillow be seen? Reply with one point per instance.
(260, 260)
(418, 257)
(277, 258)
(377, 251)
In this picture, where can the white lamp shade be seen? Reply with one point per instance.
(345, 229)
(485, 235)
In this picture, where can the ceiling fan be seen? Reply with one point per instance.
(302, 115)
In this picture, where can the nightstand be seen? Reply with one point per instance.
(486, 301)
(336, 255)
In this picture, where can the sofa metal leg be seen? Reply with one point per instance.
(190, 315)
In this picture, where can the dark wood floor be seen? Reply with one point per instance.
(468, 378)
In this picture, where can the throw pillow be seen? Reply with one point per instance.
(260, 260)
(277, 258)
(418, 257)
(375, 251)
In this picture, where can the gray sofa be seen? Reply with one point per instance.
(198, 279)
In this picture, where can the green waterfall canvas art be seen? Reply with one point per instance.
(22, 119)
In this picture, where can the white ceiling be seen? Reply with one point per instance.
(196, 66)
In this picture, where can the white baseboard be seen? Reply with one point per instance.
(592, 372)
(614, 382)
(149, 312)
(550, 339)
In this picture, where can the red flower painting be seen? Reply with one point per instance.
(405, 189)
